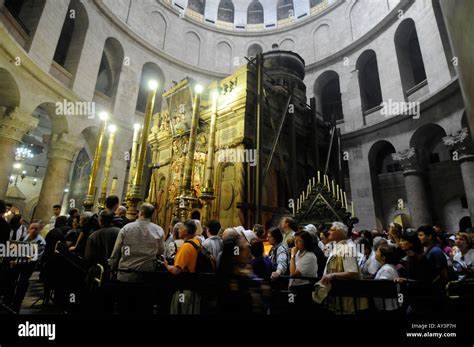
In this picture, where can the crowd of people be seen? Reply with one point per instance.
(304, 259)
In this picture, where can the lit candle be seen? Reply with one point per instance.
(345, 200)
(319, 177)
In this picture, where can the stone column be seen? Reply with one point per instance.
(462, 145)
(13, 125)
(415, 187)
(62, 150)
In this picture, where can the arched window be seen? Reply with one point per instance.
(253, 50)
(71, 40)
(150, 71)
(313, 3)
(255, 13)
(197, 5)
(27, 13)
(285, 9)
(369, 81)
(327, 91)
(110, 67)
(410, 60)
(225, 11)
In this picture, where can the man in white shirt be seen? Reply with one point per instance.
(137, 247)
(350, 268)
(213, 244)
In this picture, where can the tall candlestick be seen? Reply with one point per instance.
(302, 194)
(293, 207)
(319, 177)
(89, 202)
(308, 189)
(298, 204)
(314, 181)
(345, 200)
(352, 209)
(333, 189)
(108, 163)
(133, 159)
(337, 192)
(134, 197)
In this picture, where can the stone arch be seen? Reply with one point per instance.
(287, 44)
(322, 41)
(72, 38)
(57, 119)
(255, 13)
(27, 13)
(159, 28)
(110, 67)
(381, 162)
(150, 71)
(193, 46)
(429, 144)
(285, 9)
(369, 80)
(327, 91)
(410, 59)
(253, 50)
(9, 91)
(226, 11)
(224, 57)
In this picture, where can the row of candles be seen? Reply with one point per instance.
(337, 193)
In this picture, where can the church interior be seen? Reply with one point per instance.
(336, 121)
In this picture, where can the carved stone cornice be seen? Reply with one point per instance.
(408, 159)
(461, 143)
(63, 146)
(14, 124)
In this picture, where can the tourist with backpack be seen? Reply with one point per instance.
(191, 258)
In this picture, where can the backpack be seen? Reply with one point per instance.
(205, 262)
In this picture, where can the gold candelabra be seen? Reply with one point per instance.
(89, 202)
(133, 195)
(186, 195)
(108, 162)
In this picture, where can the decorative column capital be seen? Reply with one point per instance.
(63, 146)
(461, 143)
(14, 123)
(408, 159)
